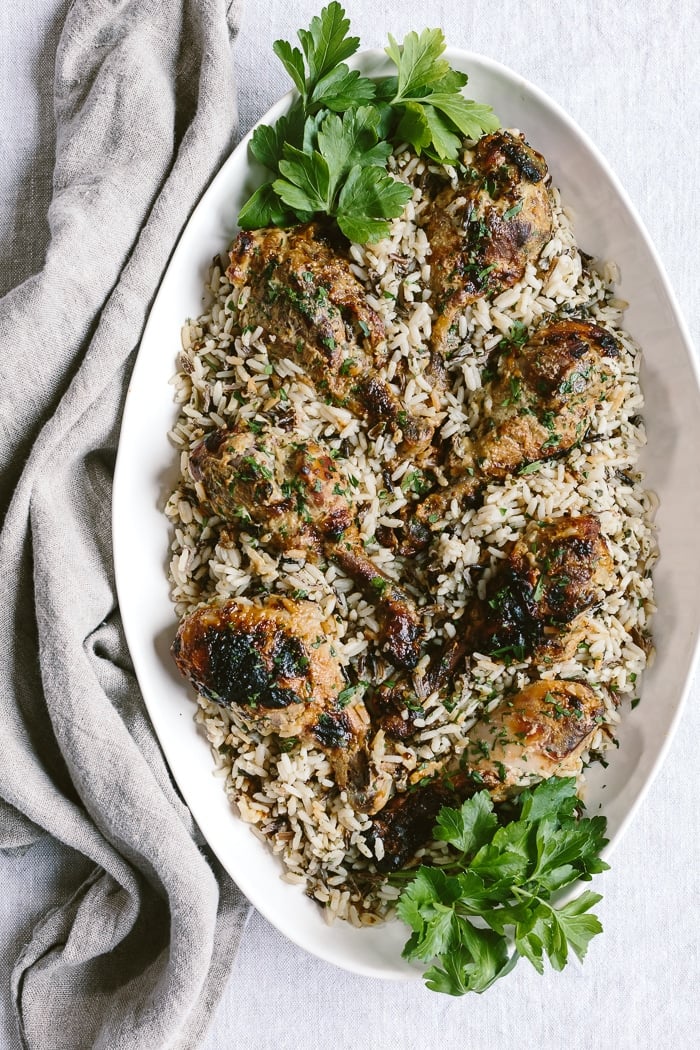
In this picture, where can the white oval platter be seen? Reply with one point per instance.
(606, 226)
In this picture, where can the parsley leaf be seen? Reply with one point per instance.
(342, 124)
(340, 89)
(504, 878)
(368, 199)
(418, 61)
(468, 828)
(306, 181)
(268, 141)
(352, 140)
(344, 176)
(578, 926)
(326, 42)
(530, 468)
(471, 118)
(428, 94)
(293, 61)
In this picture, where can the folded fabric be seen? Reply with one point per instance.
(144, 108)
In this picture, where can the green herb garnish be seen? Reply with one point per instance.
(512, 212)
(329, 152)
(531, 468)
(475, 916)
(427, 93)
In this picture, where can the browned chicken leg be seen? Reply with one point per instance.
(533, 607)
(534, 602)
(276, 660)
(537, 734)
(484, 231)
(293, 491)
(538, 406)
(301, 290)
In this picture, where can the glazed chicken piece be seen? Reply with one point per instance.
(302, 292)
(540, 733)
(534, 606)
(538, 406)
(484, 231)
(293, 491)
(277, 660)
(534, 602)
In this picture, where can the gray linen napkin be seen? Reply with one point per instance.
(144, 109)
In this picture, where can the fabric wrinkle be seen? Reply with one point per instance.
(138, 954)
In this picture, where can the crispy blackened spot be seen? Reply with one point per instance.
(406, 823)
(529, 164)
(402, 632)
(213, 442)
(336, 523)
(557, 570)
(238, 675)
(333, 729)
(512, 624)
(245, 242)
(382, 404)
(415, 536)
(379, 400)
(394, 707)
(289, 657)
(608, 344)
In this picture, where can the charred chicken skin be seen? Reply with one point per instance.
(303, 292)
(484, 231)
(294, 493)
(276, 660)
(540, 733)
(534, 602)
(538, 406)
(533, 607)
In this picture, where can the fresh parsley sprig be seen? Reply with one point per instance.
(327, 81)
(475, 916)
(329, 152)
(427, 93)
(342, 176)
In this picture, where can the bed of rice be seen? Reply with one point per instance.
(285, 792)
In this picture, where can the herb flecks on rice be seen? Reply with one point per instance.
(283, 787)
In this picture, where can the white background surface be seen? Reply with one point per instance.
(629, 75)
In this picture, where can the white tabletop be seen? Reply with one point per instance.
(628, 73)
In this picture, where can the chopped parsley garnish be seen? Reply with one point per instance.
(512, 212)
(531, 468)
(517, 335)
(415, 481)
